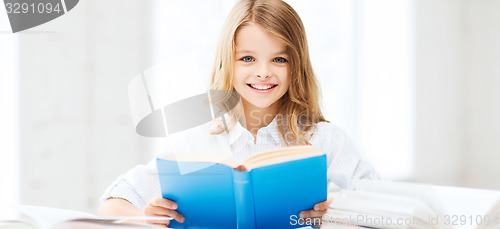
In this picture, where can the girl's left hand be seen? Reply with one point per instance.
(317, 213)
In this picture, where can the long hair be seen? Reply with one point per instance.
(300, 109)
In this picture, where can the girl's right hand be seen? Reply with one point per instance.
(162, 207)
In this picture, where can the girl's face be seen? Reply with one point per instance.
(261, 69)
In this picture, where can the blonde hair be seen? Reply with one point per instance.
(300, 109)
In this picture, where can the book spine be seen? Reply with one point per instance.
(243, 198)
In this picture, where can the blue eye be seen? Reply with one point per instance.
(247, 59)
(280, 60)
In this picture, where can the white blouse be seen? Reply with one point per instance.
(344, 163)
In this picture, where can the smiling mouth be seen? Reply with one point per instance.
(262, 86)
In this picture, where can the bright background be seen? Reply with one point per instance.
(415, 84)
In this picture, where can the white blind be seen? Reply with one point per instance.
(362, 53)
(386, 84)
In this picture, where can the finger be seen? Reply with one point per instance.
(162, 223)
(162, 212)
(164, 203)
(312, 213)
(151, 212)
(171, 213)
(323, 205)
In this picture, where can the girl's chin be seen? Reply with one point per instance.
(260, 104)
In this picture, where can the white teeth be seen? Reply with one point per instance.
(261, 87)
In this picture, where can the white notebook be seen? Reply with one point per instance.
(386, 204)
(38, 217)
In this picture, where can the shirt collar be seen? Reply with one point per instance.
(239, 131)
(235, 133)
(273, 129)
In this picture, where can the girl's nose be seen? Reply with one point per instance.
(265, 75)
(264, 71)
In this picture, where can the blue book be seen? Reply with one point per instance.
(268, 190)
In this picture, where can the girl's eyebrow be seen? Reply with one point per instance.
(244, 51)
(280, 53)
(251, 52)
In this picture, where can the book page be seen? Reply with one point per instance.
(420, 191)
(457, 207)
(12, 218)
(381, 207)
(47, 218)
(258, 160)
(219, 159)
(280, 155)
(100, 224)
(469, 208)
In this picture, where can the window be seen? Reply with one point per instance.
(385, 74)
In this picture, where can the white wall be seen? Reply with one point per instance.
(9, 115)
(457, 92)
(438, 117)
(76, 131)
(482, 94)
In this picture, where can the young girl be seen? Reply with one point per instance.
(263, 55)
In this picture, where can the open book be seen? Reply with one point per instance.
(38, 217)
(264, 191)
(387, 204)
